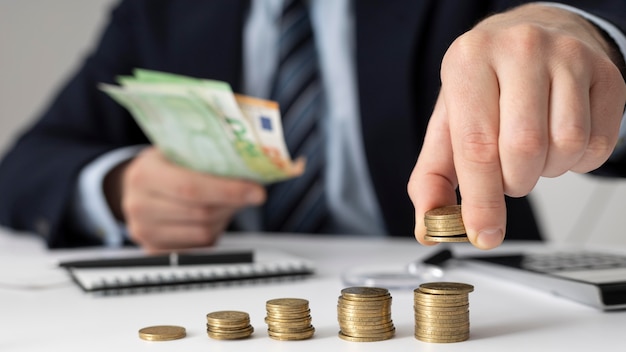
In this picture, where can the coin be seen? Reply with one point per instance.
(380, 337)
(227, 317)
(445, 212)
(300, 334)
(446, 288)
(162, 333)
(360, 293)
(287, 304)
(231, 335)
(446, 238)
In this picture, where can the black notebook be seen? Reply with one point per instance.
(127, 273)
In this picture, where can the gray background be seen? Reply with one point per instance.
(42, 42)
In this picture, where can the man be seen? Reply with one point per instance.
(534, 91)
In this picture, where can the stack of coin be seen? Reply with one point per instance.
(445, 224)
(228, 325)
(364, 314)
(289, 319)
(442, 312)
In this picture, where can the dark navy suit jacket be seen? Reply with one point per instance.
(399, 45)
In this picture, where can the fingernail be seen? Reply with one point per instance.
(254, 196)
(489, 238)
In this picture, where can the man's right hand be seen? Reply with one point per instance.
(168, 207)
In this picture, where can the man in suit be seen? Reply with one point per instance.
(534, 91)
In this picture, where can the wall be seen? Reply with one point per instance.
(41, 42)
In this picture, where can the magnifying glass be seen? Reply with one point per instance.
(408, 276)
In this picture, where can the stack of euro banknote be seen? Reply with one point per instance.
(202, 125)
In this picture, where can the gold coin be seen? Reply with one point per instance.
(449, 339)
(381, 337)
(459, 233)
(425, 301)
(227, 317)
(446, 233)
(287, 335)
(365, 302)
(364, 323)
(446, 288)
(445, 212)
(289, 329)
(364, 292)
(365, 319)
(451, 239)
(162, 333)
(358, 331)
(363, 313)
(444, 223)
(424, 309)
(451, 336)
(444, 320)
(442, 329)
(230, 335)
(425, 329)
(288, 316)
(450, 298)
(287, 303)
(304, 320)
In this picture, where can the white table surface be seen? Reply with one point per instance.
(42, 310)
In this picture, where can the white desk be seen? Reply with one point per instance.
(59, 317)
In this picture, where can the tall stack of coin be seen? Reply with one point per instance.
(442, 312)
(364, 314)
(445, 224)
(289, 319)
(228, 325)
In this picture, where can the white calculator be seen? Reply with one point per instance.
(596, 279)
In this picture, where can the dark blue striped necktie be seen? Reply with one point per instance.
(298, 205)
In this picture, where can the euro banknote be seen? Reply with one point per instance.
(202, 125)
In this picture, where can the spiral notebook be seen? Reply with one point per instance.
(105, 276)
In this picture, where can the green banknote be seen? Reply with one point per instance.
(201, 125)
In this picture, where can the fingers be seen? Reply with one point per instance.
(569, 124)
(149, 208)
(470, 90)
(169, 207)
(155, 174)
(607, 98)
(433, 181)
(523, 113)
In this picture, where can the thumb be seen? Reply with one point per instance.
(433, 181)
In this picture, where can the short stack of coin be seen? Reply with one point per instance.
(364, 314)
(442, 312)
(445, 224)
(228, 325)
(289, 319)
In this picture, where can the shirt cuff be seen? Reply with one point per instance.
(620, 40)
(91, 211)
